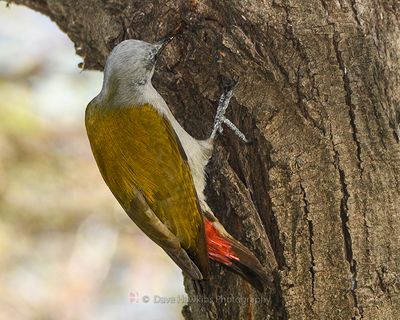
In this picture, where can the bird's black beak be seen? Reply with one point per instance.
(160, 45)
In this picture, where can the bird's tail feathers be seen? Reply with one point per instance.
(223, 248)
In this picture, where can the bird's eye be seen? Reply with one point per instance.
(142, 82)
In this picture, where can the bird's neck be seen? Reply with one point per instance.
(116, 94)
(124, 93)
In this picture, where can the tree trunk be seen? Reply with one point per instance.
(317, 192)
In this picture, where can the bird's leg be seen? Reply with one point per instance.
(220, 116)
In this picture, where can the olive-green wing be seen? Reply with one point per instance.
(143, 163)
(149, 223)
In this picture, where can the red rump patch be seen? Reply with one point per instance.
(219, 248)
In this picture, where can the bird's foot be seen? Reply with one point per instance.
(220, 116)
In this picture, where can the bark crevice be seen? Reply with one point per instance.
(348, 99)
(303, 109)
(310, 239)
(353, 5)
(348, 246)
(344, 218)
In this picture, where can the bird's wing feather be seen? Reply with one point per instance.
(143, 163)
(150, 224)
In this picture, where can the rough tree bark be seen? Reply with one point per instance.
(319, 95)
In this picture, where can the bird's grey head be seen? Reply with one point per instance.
(130, 66)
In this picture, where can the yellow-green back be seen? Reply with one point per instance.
(136, 148)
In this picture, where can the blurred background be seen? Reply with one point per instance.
(67, 250)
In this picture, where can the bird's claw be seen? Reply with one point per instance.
(220, 116)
